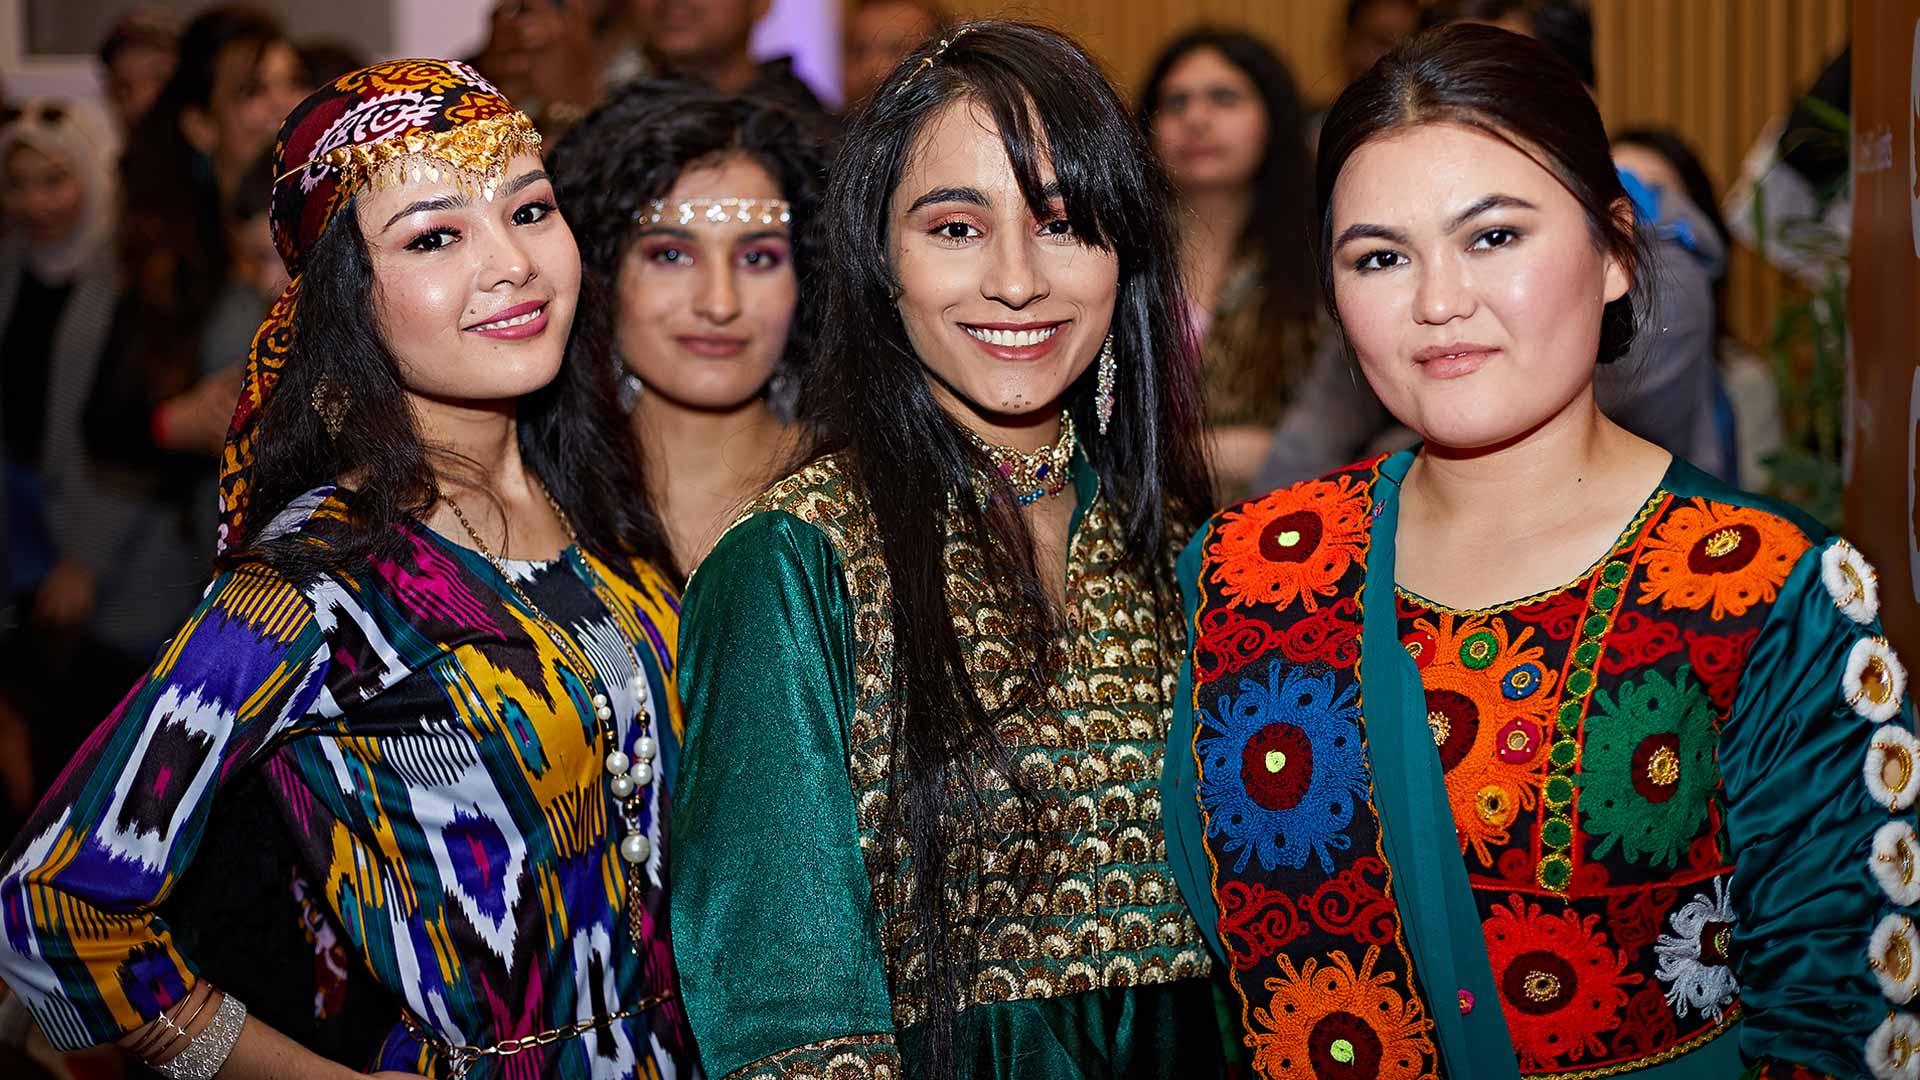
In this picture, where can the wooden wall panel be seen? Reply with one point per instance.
(1715, 70)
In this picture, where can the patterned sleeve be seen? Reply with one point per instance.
(774, 932)
(79, 939)
(1818, 760)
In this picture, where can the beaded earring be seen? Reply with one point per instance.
(1103, 392)
(331, 401)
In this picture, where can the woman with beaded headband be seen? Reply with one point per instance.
(1532, 751)
(436, 627)
(697, 214)
(929, 674)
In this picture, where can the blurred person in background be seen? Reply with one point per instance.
(1225, 119)
(57, 288)
(323, 61)
(706, 41)
(1371, 30)
(880, 34)
(238, 76)
(138, 55)
(696, 215)
(1661, 160)
(1564, 26)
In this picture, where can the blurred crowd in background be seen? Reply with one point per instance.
(136, 262)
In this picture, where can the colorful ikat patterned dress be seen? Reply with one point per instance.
(789, 930)
(1657, 822)
(439, 766)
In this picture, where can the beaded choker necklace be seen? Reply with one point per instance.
(1034, 476)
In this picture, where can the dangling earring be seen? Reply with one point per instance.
(331, 401)
(1103, 392)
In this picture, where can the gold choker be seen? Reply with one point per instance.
(1034, 476)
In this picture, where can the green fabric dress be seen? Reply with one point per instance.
(1733, 884)
(784, 952)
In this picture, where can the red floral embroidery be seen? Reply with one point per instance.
(1718, 660)
(1558, 616)
(1331, 635)
(1636, 918)
(1646, 1026)
(1256, 922)
(1561, 983)
(1228, 642)
(1352, 905)
(1637, 642)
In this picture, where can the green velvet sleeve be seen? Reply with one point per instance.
(773, 927)
(1803, 818)
(1179, 804)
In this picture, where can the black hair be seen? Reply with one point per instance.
(325, 60)
(139, 29)
(571, 434)
(924, 480)
(1565, 26)
(173, 239)
(1673, 147)
(253, 195)
(632, 150)
(1280, 230)
(1511, 87)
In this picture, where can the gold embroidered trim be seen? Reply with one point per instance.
(849, 1057)
(1627, 537)
(1676, 1050)
(474, 155)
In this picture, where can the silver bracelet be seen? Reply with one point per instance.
(209, 1049)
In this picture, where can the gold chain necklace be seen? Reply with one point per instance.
(1034, 476)
(627, 777)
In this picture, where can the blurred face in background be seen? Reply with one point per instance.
(1377, 28)
(1211, 127)
(687, 33)
(42, 195)
(879, 36)
(1468, 283)
(134, 80)
(705, 306)
(1649, 166)
(255, 259)
(254, 89)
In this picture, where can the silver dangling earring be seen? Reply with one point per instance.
(331, 401)
(1103, 392)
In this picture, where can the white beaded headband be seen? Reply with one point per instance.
(716, 211)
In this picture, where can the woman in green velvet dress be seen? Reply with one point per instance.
(1533, 751)
(928, 677)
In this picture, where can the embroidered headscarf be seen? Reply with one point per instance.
(403, 120)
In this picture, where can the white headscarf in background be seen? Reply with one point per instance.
(79, 136)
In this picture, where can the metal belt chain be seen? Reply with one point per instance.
(463, 1058)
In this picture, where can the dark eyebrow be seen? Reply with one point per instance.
(1370, 232)
(1395, 236)
(457, 201)
(970, 196)
(1490, 202)
(438, 202)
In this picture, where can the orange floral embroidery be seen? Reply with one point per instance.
(1335, 1022)
(1488, 705)
(1729, 557)
(474, 107)
(429, 76)
(1297, 542)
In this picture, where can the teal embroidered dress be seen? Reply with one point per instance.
(1657, 822)
(787, 927)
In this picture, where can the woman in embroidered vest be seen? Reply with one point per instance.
(434, 628)
(929, 675)
(1532, 751)
(697, 215)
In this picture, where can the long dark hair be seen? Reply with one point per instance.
(632, 150)
(1516, 90)
(917, 471)
(571, 435)
(1280, 230)
(174, 244)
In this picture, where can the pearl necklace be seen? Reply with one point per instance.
(627, 777)
(1034, 476)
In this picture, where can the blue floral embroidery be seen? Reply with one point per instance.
(1284, 775)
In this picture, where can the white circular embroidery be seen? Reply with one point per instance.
(1874, 681)
(1894, 955)
(373, 120)
(1894, 752)
(1693, 959)
(1896, 862)
(1851, 582)
(1893, 1050)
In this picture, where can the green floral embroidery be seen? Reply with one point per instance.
(1648, 767)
